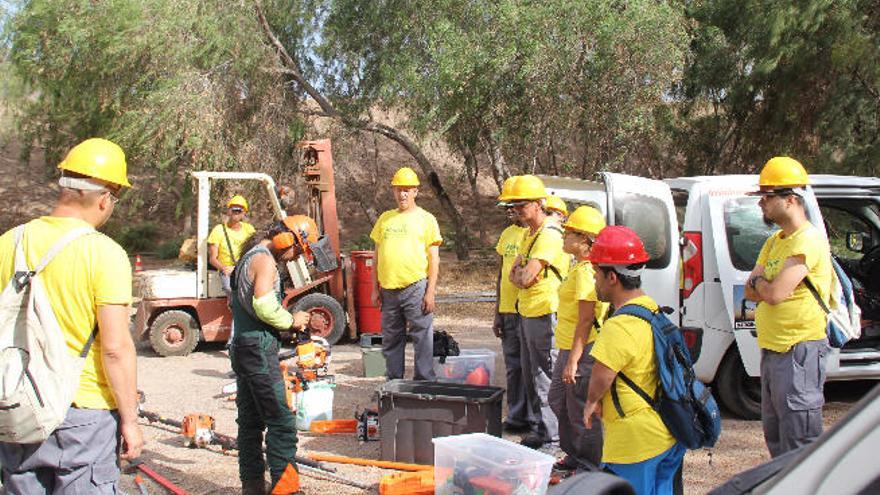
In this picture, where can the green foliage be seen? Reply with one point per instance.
(137, 238)
(770, 78)
(180, 84)
(170, 249)
(362, 243)
(568, 80)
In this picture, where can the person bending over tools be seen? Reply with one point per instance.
(259, 321)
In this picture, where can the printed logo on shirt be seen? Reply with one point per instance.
(395, 231)
(511, 249)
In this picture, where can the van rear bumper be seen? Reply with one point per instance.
(861, 364)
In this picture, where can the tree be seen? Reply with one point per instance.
(179, 83)
(549, 84)
(772, 78)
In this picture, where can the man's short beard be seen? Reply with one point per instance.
(768, 221)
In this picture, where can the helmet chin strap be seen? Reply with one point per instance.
(81, 183)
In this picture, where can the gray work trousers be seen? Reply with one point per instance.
(792, 395)
(79, 457)
(538, 353)
(579, 444)
(399, 308)
(519, 414)
(225, 284)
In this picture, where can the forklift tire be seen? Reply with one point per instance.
(174, 333)
(331, 325)
(739, 392)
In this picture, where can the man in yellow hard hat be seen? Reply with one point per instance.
(507, 321)
(226, 240)
(789, 319)
(537, 271)
(88, 285)
(405, 277)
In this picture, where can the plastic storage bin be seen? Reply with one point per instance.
(411, 413)
(480, 463)
(472, 366)
(315, 403)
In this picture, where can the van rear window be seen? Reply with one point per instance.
(648, 217)
(746, 231)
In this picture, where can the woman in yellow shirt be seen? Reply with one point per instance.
(578, 316)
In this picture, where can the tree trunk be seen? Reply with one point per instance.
(500, 171)
(472, 169)
(291, 68)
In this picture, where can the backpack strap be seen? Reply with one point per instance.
(60, 244)
(549, 266)
(815, 292)
(23, 273)
(229, 244)
(644, 314)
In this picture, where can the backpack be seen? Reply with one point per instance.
(684, 403)
(38, 377)
(444, 345)
(844, 315)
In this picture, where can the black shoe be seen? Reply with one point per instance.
(533, 441)
(514, 428)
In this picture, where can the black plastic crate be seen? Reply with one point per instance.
(411, 413)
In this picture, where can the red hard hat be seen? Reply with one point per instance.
(618, 245)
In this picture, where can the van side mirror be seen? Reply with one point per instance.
(855, 241)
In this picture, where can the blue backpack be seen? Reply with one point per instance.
(685, 405)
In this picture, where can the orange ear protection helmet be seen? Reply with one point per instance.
(300, 231)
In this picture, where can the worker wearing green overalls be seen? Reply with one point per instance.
(259, 320)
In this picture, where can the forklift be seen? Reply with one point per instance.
(180, 307)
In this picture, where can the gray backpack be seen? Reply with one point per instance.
(38, 376)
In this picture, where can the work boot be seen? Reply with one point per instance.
(253, 487)
(533, 441)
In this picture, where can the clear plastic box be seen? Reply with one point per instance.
(472, 366)
(481, 463)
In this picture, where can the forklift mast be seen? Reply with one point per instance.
(317, 170)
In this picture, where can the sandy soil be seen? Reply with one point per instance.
(177, 386)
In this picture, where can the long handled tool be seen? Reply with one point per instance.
(158, 478)
(359, 461)
(199, 432)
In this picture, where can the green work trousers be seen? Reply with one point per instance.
(262, 405)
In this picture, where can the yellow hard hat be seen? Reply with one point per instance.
(527, 188)
(405, 177)
(506, 188)
(99, 159)
(783, 172)
(556, 203)
(238, 200)
(585, 219)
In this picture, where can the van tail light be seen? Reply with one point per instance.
(692, 256)
(693, 339)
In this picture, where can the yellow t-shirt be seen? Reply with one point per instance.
(798, 318)
(91, 271)
(580, 285)
(626, 344)
(402, 242)
(542, 298)
(236, 237)
(507, 247)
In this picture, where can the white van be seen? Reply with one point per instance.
(721, 231)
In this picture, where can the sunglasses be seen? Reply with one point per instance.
(114, 195)
(236, 210)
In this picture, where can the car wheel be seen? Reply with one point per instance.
(739, 392)
(328, 317)
(174, 333)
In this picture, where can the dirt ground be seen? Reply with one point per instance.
(176, 386)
